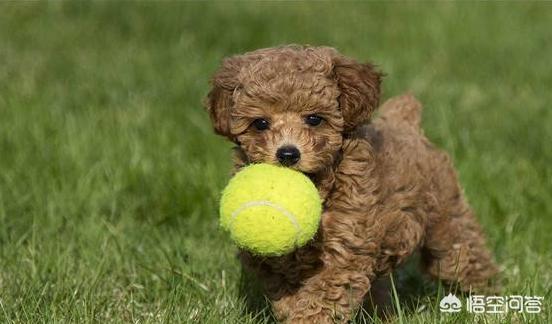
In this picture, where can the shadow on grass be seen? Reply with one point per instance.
(415, 292)
(256, 304)
(409, 286)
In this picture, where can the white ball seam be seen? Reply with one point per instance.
(281, 209)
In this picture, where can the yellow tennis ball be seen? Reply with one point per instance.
(270, 210)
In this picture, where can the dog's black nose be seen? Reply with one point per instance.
(288, 155)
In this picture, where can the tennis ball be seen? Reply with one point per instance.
(270, 210)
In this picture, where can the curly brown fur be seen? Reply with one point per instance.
(387, 191)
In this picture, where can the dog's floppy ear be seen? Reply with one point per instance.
(219, 101)
(360, 90)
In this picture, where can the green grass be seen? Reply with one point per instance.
(110, 173)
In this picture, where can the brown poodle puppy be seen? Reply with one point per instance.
(386, 190)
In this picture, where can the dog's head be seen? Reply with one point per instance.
(292, 105)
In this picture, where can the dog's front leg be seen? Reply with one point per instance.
(332, 296)
(334, 293)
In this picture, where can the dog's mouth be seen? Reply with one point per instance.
(311, 176)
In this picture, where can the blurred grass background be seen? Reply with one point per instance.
(110, 173)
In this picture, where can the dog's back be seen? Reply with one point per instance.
(402, 111)
(406, 157)
(419, 180)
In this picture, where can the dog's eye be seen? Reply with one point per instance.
(313, 120)
(260, 124)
